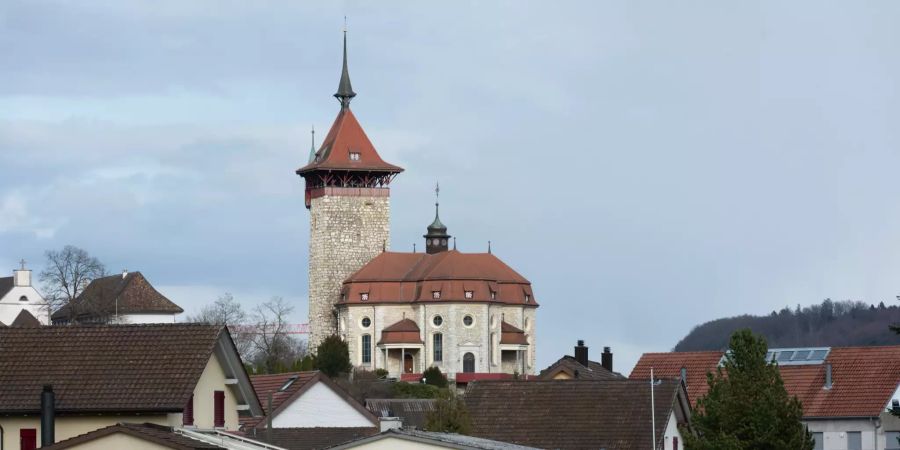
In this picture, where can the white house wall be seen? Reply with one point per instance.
(834, 433)
(148, 318)
(671, 433)
(10, 305)
(320, 406)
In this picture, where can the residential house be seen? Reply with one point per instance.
(580, 414)
(150, 436)
(847, 393)
(125, 298)
(412, 412)
(399, 439)
(176, 375)
(582, 368)
(17, 294)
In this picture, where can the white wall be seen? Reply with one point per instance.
(672, 432)
(10, 305)
(834, 433)
(320, 406)
(148, 318)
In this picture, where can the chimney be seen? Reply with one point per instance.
(390, 423)
(895, 407)
(828, 376)
(48, 413)
(124, 273)
(606, 359)
(684, 375)
(581, 353)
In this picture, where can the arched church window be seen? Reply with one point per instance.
(438, 344)
(366, 348)
(469, 362)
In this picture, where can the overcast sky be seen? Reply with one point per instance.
(647, 165)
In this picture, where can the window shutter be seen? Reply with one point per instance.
(28, 438)
(219, 415)
(188, 417)
(674, 442)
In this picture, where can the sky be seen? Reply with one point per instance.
(647, 165)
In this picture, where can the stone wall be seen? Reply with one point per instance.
(345, 233)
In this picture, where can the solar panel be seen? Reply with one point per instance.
(785, 356)
(818, 354)
(801, 355)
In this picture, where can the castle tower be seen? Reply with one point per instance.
(348, 198)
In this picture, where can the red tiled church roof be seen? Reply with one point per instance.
(863, 378)
(512, 335)
(403, 332)
(347, 136)
(393, 277)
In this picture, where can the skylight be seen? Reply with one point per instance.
(798, 356)
(288, 383)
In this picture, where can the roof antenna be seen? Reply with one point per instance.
(454, 243)
(489, 247)
(312, 148)
(414, 247)
(383, 246)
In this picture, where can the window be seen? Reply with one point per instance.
(854, 440)
(219, 409)
(674, 442)
(819, 443)
(364, 296)
(437, 321)
(527, 298)
(365, 322)
(187, 418)
(468, 320)
(23, 299)
(367, 349)
(354, 156)
(435, 294)
(28, 439)
(470, 294)
(287, 383)
(493, 295)
(469, 363)
(438, 343)
(892, 440)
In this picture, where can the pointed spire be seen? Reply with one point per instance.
(436, 238)
(312, 148)
(437, 225)
(345, 90)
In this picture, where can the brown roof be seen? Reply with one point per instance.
(104, 368)
(25, 319)
(6, 285)
(512, 335)
(346, 136)
(571, 414)
(571, 366)
(403, 332)
(312, 438)
(158, 434)
(129, 294)
(863, 379)
(394, 277)
(413, 411)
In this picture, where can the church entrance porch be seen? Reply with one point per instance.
(403, 360)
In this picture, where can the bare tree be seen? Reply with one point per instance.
(67, 274)
(229, 312)
(275, 349)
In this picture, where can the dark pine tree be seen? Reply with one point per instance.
(333, 357)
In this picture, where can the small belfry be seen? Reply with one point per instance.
(436, 239)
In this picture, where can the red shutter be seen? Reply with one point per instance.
(188, 417)
(28, 439)
(219, 418)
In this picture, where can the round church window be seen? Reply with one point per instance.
(468, 320)
(366, 322)
(437, 321)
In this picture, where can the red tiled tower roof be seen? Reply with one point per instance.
(345, 137)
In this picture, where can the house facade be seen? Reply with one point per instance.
(847, 393)
(17, 294)
(467, 313)
(177, 375)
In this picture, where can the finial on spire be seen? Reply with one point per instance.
(345, 90)
(312, 148)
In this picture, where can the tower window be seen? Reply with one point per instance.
(354, 156)
(468, 320)
(435, 294)
(470, 294)
(366, 322)
(364, 296)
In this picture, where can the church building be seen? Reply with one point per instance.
(469, 314)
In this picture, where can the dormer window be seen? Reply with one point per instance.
(527, 298)
(364, 296)
(354, 156)
(436, 295)
(493, 295)
(470, 294)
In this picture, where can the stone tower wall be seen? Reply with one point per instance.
(345, 233)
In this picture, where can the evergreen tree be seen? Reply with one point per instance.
(434, 377)
(449, 416)
(333, 356)
(747, 406)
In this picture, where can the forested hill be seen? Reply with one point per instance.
(830, 324)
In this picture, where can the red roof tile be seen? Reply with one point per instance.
(863, 378)
(273, 384)
(511, 335)
(129, 294)
(393, 277)
(403, 332)
(346, 136)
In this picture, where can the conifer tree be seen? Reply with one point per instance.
(333, 356)
(747, 406)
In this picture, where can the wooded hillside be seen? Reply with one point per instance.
(833, 324)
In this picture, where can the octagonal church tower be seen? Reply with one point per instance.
(348, 197)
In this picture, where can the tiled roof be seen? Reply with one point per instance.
(312, 438)
(403, 332)
(156, 434)
(668, 365)
(570, 414)
(430, 439)
(346, 136)
(512, 335)
(863, 379)
(108, 368)
(131, 294)
(25, 319)
(273, 384)
(413, 411)
(568, 364)
(6, 285)
(394, 277)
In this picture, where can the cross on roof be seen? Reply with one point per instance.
(22, 262)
